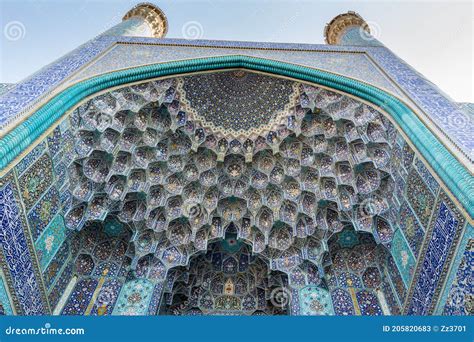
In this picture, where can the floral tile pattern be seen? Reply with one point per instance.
(43, 211)
(80, 297)
(34, 182)
(403, 257)
(412, 230)
(50, 241)
(420, 197)
(18, 258)
(315, 301)
(134, 298)
(460, 298)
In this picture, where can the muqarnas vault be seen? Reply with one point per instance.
(142, 175)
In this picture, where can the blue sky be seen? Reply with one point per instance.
(435, 37)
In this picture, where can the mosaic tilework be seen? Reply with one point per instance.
(30, 158)
(295, 307)
(315, 301)
(53, 270)
(368, 303)
(403, 257)
(134, 298)
(457, 298)
(456, 124)
(54, 141)
(396, 279)
(155, 299)
(342, 302)
(43, 211)
(36, 180)
(251, 113)
(80, 297)
(420, 197)
(60, 285)
(5, 305)
(107, 297)
(355, 65)
(446, 227)
(391, 299)
(18, 258)
(461, 296)
(50, 241)
(4, 87)
(427, 176)
(407, 156)
(412, 230)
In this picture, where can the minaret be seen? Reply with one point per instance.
(349, 29)
(143, 20)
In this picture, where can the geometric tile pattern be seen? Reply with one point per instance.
(342, 301)
(54, 268)
(50, 241)
(143, 158)
(396, 279)
(60, 285)
(35, 191)
(427, 176)
(355, 276)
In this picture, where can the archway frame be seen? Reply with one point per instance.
(455, 178)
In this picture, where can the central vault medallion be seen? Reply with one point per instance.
(237, 103)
